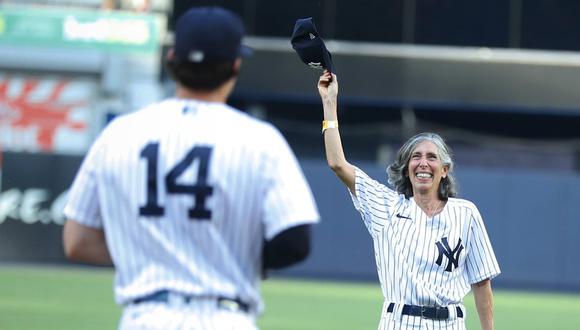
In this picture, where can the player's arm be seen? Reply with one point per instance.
(85, 244)
(328, 89)
(289, 247)
(484, 302)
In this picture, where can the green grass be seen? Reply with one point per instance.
(35, 298)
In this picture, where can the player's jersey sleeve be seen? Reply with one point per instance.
(373, 200)
(481, 261)
(83, 199)
(288, 200)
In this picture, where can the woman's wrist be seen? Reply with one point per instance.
(329, 102)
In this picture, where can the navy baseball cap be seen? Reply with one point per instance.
(307, 42)
(209, 35)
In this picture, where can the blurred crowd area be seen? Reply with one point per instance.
(514, 134)
(530, 24)
(128, 5)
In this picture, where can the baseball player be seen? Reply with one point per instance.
(430, 247)
(190, 199)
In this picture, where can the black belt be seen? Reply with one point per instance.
(428, 312)
(222, 302)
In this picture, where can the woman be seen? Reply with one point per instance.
(430, 247)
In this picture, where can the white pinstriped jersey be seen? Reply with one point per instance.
(421, 260)
(186, 192)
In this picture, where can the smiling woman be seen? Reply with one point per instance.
(430, 247)
(429, 157)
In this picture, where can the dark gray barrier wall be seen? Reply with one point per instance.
(32, 197)
(534, 222)
(533, 219)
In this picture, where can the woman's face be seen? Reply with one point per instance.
(425, 169)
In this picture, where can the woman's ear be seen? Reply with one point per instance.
(445, 172)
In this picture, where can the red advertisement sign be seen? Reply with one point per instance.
(44, 113)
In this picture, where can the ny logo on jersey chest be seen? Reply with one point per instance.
(452, 255)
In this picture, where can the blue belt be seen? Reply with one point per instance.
(428, 312)
(222, 302)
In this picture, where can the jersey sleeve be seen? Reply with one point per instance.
(373, 200)
(481, 263)
(83, 200)
(288, 200)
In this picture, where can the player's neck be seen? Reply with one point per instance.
(219, 95)
(213, 96)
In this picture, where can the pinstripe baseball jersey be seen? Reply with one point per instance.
(186, 192)
(421, 260)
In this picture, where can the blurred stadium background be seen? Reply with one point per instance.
(497, 78)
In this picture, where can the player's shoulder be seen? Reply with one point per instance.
(248, 122)
(248, 128)
(142, 115)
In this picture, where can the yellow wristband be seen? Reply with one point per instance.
(326, 124)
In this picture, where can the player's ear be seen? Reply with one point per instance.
(170, 56)
(237, 65)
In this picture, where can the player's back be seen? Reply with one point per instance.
(184, 185)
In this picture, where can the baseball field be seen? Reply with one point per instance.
(35, 298)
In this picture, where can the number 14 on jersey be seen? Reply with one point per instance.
(200, 190)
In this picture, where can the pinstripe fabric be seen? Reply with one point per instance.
(406, 250)
(258, 191)
(200, 316)
(406, 322)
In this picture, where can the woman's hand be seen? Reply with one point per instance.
(328, 86)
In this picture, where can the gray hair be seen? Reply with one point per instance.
(396, 171)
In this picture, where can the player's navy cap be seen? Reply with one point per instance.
(209, 34)
(307, 42)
